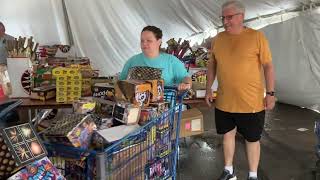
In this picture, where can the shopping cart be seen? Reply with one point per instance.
(316, 170)
(148, 153)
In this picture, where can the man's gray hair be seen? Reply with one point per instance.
(234, 3)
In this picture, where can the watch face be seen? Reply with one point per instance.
(271, 93)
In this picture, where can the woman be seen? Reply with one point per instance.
(173, 70)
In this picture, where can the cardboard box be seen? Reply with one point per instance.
(116, 133)
(126, 113)
(191, 123)
(135, 91)
(157, 90)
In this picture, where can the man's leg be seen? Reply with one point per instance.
(225, 125)
(253, 155)
(229, 146)
(250, 125)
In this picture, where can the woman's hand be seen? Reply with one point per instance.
(184, 86)
(209, 98)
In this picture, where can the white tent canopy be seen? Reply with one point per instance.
(108, 31)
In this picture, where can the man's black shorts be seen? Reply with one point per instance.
(249, 125)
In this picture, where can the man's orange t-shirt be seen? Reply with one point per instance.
(239, 60)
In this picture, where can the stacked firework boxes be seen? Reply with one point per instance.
(68, 84)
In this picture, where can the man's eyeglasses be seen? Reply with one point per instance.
(229, 17)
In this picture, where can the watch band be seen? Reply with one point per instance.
(271, 93)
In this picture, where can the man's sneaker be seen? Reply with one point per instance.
(227, 176)
(252, 178)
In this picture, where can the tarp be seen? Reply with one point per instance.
(108, 32)
(296, 55)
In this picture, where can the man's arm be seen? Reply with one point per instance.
(211, 75)
(269, 79)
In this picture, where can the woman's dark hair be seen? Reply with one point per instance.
(156, 31)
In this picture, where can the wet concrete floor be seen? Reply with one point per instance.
(287, 148)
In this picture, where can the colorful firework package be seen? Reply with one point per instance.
(157, 90)
(147, 114)
(135, 91)
(73, 129)
(40, 169)
(23, 143)
(104, 91)
(144, 73)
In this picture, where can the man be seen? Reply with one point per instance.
(3, 39)
(240, 56)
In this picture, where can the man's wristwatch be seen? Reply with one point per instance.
(271, 93)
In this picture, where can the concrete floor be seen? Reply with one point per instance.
(286, 152)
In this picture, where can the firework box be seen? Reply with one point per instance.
(84, 105)
(7, 163)
(23, 143)
(40, 169)
(43, 93)
(147, 114)
(104, 91)
(72, 129)
(104, 108)
(158, 169)
(161, 106)
(42, 75)
(135, 91)
(157, 90)
(126, 113)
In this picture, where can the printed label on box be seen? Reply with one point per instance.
(196, 125)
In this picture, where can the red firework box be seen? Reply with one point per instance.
(135, 91)
(147, 114)
(157, 90)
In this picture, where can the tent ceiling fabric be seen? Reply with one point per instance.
(108, 31)
(296, 57)
(41, 19)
